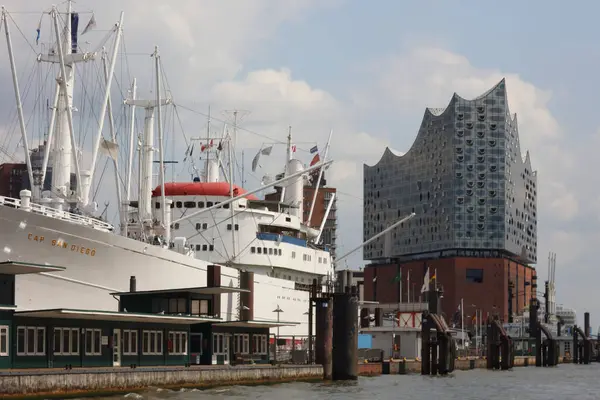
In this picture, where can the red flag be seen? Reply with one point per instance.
(315, 160)
(293, 148)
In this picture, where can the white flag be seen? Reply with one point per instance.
(90, 25)
(425, 286)
(109, 148)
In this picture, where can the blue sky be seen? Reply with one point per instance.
(368, 70)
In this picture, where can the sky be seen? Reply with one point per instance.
(368, 70)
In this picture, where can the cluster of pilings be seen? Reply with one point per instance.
(438, 348)
(336, 341)
(500, 346)
(582, 345)
(547, 350)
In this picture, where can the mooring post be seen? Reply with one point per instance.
(324, 335)
(425, 344)
(345, 336)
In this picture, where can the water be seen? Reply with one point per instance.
(573, 382)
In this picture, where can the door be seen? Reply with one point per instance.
(226, 340)
(4, 347)
(195, 348)
(116, 347)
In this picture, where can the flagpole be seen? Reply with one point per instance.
(400, 283)
(462, 319)
(408, 286)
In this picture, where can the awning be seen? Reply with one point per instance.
(19, 268)
(193, 290)
(256, 324)
(115, 316)
(7, 307)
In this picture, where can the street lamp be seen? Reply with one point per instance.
(278, 310)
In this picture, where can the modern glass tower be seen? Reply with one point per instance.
(465, 178)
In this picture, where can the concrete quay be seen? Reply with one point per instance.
(60, 383)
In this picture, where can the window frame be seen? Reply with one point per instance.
(155, 348)
(95, 340)
(129, 345)
(36, 334)
(179, 343)
(73, 339)
(5, 332)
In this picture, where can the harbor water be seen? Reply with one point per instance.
(567, 381)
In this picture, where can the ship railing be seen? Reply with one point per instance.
(57, 214)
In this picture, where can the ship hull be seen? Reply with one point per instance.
(98, 263)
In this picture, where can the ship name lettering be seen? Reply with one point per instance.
(61, 244)
(35, 238)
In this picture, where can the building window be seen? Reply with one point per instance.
(241, 343)
(237, 227)
(3, 340)
(220, 344)
(93, 340)
(252, 249)
(152, 343)
(130, 343)
(199, 307)
(66, 341)
(475, 275)
(178, 344)
(259, 344)
(228, 227)
(31, 341)
(189, 204)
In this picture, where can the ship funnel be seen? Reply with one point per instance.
(132, 284)
(294, 189)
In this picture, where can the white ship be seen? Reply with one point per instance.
(213, 221)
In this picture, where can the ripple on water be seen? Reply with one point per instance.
(572, 382)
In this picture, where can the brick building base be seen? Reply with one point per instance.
(482, 283)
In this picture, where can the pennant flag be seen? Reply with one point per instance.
(220, 146)
(398, 278)
(293, 148)
(432, 277)
(474, 318)
(90, 25)
(38, 30)
(192, 150)
(109, 148)
(315, 159)
(314, 150)
(426, 280)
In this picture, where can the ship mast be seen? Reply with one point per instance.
(147, 153)
(18, 98)
(64, 151)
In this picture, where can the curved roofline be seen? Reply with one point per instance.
(435, 113)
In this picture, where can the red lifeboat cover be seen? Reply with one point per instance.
(200, 189)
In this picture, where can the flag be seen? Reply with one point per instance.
(266, 151)
(90, 25)
(314, 150)
(432, 277)
(398, 278)
(293, 148)
(192, 150)
(474, 318)
(315, 160)
(220, 146)
(38, 30)
(255, 160)
(426, 281)
(109, 148)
